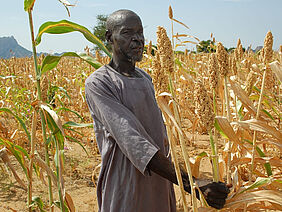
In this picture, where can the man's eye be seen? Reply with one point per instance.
(126, 32)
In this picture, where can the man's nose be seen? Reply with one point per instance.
(138, 37)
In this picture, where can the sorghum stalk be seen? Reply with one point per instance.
(267, 56)
(59, 174)
(167, 63)
(176, 166)
(184, 151)
(37, 73)
(31, 155)
(229, 119)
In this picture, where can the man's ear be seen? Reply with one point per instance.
(108, 36)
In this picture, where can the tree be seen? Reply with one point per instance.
(99, 31)
(206, 46)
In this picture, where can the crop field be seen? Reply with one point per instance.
(222, 110)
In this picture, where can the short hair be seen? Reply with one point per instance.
(113, 20)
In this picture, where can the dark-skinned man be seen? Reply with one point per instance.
(136, 175)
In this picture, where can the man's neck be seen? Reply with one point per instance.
(125, 67)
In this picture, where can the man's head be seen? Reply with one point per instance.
(125, 34)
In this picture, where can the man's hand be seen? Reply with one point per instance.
(215, 194)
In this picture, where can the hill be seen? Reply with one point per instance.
(9, 47)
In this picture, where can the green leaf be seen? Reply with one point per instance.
(22, 150)
(57, 88)
(268, 114)
(267, 166)
(54, 124)
(73, 130)
(202, 154)
(259, 182)
(58, 204)
(78, 142)
(216, 124)
(72, 111)
(37, 201)
(51, 61)
(65, 26)
(19, 120)
(74, 124)
(17, 154)
(28, 5)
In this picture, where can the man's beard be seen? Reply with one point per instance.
(132, 58)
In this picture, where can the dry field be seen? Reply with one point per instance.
(233, 98)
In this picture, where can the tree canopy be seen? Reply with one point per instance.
(206, 46)
(99, 31)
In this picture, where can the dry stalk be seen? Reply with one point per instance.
(268, 53)
(37, 71)
(32, 144)
(172, 145)
(4, 156)
(167, 63)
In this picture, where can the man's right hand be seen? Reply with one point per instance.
(215, 194)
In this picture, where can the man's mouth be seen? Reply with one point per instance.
(137, 49)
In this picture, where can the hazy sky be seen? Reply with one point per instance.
(228, 20)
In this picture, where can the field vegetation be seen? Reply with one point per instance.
(233, 98)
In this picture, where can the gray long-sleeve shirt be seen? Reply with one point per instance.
(129, 130)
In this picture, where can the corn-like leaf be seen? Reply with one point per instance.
(28, 5)
(37, 201)
(225, 126)
(258, 183)
(261, 154)
(273, 161)
(261, 126)
(7, 110)
(185, 35)
(164, 106)
(69, 110)
(76, 141)
(255, 196)
(243, 97)
(69, 202)
(18, 154)
(4, 156)
(51, 61)
(276, 67)
(196, 165)
(56, 120)
(45, 167)
(77, 125)
(65, 26)
(180, 23)
(58, 205)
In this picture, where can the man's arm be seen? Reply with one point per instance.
(215, 193)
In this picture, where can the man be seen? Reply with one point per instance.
(135, 175)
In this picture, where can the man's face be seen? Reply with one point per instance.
(128, 39)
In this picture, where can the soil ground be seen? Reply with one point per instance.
(79, 176)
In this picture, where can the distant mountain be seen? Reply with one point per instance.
(258, 48)
(9, 47)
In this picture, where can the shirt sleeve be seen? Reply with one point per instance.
(121, 123)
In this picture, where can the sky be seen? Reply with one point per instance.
(228, 20)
